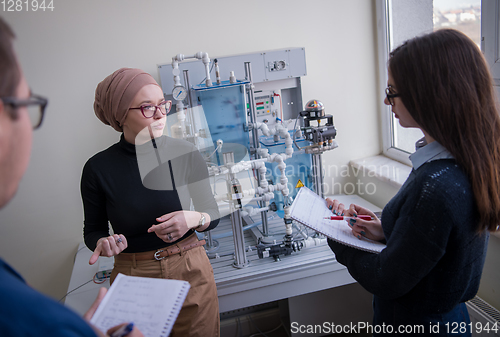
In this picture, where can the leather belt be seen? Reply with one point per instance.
(182, 246)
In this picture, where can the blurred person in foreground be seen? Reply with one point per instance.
(23, 310)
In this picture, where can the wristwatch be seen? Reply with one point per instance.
(201, 222)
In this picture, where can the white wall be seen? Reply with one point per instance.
(65, 53)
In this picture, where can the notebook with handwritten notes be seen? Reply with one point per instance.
(310, 209)
(152, 304)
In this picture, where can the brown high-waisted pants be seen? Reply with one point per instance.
(199, 315)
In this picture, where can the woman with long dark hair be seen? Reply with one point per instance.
(437, 226)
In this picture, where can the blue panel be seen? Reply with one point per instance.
(225, 110)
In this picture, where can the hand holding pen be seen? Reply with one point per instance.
(125, 329)
(362, 221)
(348, 218)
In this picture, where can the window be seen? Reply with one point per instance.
(402, 20)
(490, 43)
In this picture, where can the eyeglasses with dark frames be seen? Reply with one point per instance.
(35, 105)
(149, 110)
(390, 96)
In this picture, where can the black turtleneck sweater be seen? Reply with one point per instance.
(130, 186)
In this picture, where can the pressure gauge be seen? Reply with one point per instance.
(179, 93)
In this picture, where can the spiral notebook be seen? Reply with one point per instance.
(152, 304)
(310, 209)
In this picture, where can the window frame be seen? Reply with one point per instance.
(384, 41)
(385, 37)
(490, 39)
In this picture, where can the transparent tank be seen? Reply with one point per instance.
(225, 110)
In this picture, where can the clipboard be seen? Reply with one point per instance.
(310, 209)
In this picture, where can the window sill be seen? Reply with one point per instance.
(383, 168)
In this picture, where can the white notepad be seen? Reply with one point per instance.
(152, 304)
(310, 209)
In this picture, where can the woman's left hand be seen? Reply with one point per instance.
(337, 207)
(173, 226)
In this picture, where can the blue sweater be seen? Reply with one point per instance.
(24, 312)
(434, 257)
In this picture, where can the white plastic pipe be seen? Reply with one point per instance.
(203, 56)
(311, 242)
(249, 210)
(288, 227)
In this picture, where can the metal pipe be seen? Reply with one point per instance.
(190, 108)
(240, 258)
(318, 174)
(255, 138)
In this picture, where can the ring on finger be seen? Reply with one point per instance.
(169, 236)
(119, 240)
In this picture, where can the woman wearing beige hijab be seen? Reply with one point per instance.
(143, 186)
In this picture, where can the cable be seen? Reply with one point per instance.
(250, 178)
(260, 332)
(286, 330)
(300, 231)
(75, 289)
(98, 280)
(273, 330)
(239, 326)
(215, 191)
(74, 258)
(281, 105)
(294, 131)
(255, 176)
(217, 148)
(215, 182)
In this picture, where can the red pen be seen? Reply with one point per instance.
(347, 218)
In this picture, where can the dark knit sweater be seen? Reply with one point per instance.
(434, 258)
(131, 193)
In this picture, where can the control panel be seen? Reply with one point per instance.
(268, 106)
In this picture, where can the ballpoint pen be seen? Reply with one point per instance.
(347, 218)
(123, 331)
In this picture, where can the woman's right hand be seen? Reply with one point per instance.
(109, 246)
(372, 229)
(134, 333)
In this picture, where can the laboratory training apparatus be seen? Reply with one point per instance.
(245, 115)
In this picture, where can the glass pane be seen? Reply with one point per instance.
(407, 20)
(404, 138)
(225, 111)
(465, 16)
